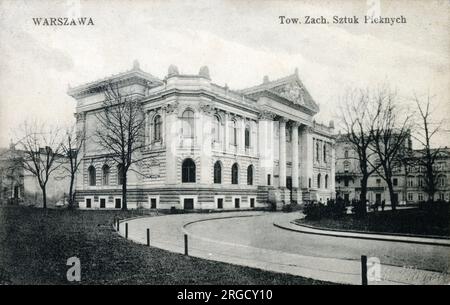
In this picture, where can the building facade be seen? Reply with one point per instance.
(209, 147)
(408, 179)
(18, 186)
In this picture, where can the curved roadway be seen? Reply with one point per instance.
(251, 239)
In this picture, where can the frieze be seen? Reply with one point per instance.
(170, 108)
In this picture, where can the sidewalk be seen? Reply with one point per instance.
(288, 225)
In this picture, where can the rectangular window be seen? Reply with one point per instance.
(117, 203)
(420, 196)
(220, 203)
(395, 181)
(410, 196)
(252, 202)
(268, 179)
(88, 203)
(102, 203)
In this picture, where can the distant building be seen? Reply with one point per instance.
(407, 179)
(18, 186)
(210, 147)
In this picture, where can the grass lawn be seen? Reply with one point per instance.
(35, 245)
(403, 221)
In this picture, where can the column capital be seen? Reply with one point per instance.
(295, 124)
(282, 120)
(266, 115)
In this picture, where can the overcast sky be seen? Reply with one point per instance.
(240, 41)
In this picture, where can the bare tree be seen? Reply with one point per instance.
(120, 130)
(39, 153)
(357, 118)
(71, 148)
(426, 157)
(391, 134)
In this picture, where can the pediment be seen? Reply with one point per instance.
(293, 91)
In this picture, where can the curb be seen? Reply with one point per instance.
(369, 236)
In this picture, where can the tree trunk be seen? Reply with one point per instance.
(391, 194)
(44, 197)
(71, 197)
(124, 191)
(363, 196)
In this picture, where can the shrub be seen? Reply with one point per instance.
(287, 208)
(317, 210)
(313, 210)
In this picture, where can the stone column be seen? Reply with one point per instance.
(307, 156)
(282, 156)
(265, 147)
(296, 196)
(226, 132)
(331, 179)
(171, 126)
(205, 128)
(147, 131)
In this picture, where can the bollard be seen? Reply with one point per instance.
(126, 230)
(364, 270)
(148, 237)
(186, 244)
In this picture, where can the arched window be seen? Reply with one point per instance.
(217, 172)
(247, 136)
(157, 128)
(233, 138)
(324, 152)
(250, 175)
(216, 129)
(346, 154)
(92, 175)
(105, 174)
(442, 181)
(319, 177)
(188, 171)
(326, 181)
(234, 174)
(188, 123)
(120, 170)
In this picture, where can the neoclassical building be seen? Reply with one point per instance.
(209, 147)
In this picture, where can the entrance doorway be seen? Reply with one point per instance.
(237, 203)
(378, 198)
(188, 203)
(220, 203)
(252, 202)
(289, 187)
(152, 203)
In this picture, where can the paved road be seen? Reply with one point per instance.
(249, 238)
